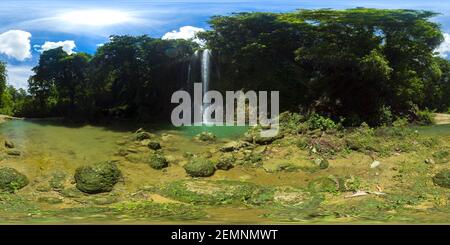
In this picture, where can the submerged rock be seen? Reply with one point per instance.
(200, 168)
(255, 137)
(442, 178)
(206, 137)
(97, 178)
(154, 145)
(13, 152)
(9, 144)
(12, 180)
(234, 146)
(158, 161)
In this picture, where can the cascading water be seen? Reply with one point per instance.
(205, 76)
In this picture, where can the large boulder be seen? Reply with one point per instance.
(442, 178)
(158, 161)
(200, 168)
(97, 178)
(12, 180)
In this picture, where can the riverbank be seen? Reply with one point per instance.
(4, 118)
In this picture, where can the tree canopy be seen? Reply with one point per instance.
(356, 65)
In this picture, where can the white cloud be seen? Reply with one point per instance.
(185, 32)
(16, 44)
(68, 46)
(18, 75)
(444, 48)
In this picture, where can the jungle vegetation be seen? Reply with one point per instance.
(353, 66)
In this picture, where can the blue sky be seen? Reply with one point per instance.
(29, 26)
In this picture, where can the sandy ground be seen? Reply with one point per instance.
(4, 118)
(442, 118)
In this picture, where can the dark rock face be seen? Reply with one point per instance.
(154, 145)
(200, 168)
(442, 178)
(97, 178)
(12, 180)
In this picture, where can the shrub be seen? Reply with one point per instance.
(385, 116)
(291, 123)
(316, 121)
(424, 117)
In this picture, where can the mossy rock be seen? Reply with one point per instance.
(225, 163)
(142, 135)
(158, 161)
(97, 178)
(12, 180)
(154, 145)
(200, 168)
(57, 180)
(442, 178)
(206, 137)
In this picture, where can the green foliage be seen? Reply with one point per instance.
(315, 121)
(425, 117)
(442, 178)
(355, 65)
(292, 123)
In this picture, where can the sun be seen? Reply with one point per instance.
(96, 17)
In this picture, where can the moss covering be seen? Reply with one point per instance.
(158, 161)
(12, 180)
(200, 168)
(225, 163)
(97, 178)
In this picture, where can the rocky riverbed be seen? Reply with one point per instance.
(51, 173)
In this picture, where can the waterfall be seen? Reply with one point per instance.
(205, 76)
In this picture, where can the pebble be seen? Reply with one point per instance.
(375, 164)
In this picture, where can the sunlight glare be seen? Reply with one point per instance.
(96, 17)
